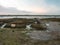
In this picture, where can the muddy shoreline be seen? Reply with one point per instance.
(22, 36)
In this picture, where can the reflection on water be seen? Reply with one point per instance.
(28, 27)
(46, 35)
(54, 26)
(3, 25)
(40, 35)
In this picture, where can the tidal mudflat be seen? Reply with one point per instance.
(22, 36)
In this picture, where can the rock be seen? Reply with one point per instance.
(38, 26)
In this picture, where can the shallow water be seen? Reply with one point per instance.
(54, 26)
(46, 35)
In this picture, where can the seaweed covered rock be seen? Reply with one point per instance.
(39, 26)
(15, 26)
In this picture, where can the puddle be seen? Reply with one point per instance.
(3, 25)
(28, 27)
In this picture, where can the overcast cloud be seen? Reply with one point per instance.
(48, 7)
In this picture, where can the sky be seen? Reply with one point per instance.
(47, 7)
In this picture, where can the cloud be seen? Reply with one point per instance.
(43, 6)
(12, 10)
(34, 6)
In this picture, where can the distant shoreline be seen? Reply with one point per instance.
(29, 16)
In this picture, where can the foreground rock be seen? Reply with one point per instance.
(39, 26)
